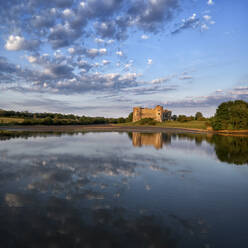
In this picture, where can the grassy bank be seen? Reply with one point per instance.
(10, 120)
(190, 124)
(171, 124)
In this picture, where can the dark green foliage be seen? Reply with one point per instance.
(184, 118)
(146, 121)
(60, 119)
(198, 116)
(231, 115)
(167, 116)
(174, 117)
(121, 120)
(130, 117)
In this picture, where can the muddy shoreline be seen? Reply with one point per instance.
(116, 128)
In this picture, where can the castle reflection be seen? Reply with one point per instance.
(150, 139)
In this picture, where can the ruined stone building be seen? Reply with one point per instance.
(158, 113)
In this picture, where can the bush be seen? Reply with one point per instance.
(147, 121)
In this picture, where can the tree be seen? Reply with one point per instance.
(198, 115)
(182, 118)
(174, 117)
(130, 117)
(231, 115)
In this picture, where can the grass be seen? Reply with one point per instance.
(8, 120)
(172, 124)
(188, 124)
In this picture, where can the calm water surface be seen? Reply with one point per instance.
(124, 190)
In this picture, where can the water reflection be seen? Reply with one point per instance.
(230, 149)
(116, 190)
(147, 139)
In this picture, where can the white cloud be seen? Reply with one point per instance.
(98, 40)
(207, 17)
(210, 2)
(149, 61)
(71, 50)
(119, 53)
(103, 51)
(157, 81)
(192, 17)
(83, 4)
(105, 62)
(144, 37)
(93, 52)
(204, 27)
(127, 66)
(31, 59)
(15, 43)
(110, 41)
(219, 91)
(67, 13)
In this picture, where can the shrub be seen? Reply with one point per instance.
(147, 121)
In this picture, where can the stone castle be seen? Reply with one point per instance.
(158, 113)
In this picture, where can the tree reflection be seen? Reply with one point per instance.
(230, 149)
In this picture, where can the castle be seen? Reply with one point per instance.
(158, 113)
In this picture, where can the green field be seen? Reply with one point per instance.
(188, 124)
(172, 124)
(8, 120)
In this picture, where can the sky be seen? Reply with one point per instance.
(103, 57)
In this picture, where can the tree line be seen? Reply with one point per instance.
(59, 119)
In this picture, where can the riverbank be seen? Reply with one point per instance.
(115, 128)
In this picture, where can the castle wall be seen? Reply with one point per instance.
(141, 113)
(148, 113)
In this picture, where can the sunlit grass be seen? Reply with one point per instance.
(8, 120)
(172, 124)
(188, 124)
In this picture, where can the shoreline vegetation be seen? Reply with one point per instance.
(231, 118)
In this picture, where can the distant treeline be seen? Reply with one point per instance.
(59, 119)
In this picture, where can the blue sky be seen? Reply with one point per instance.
(102, 57)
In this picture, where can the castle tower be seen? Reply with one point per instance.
(159, 113)
(136, 114)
